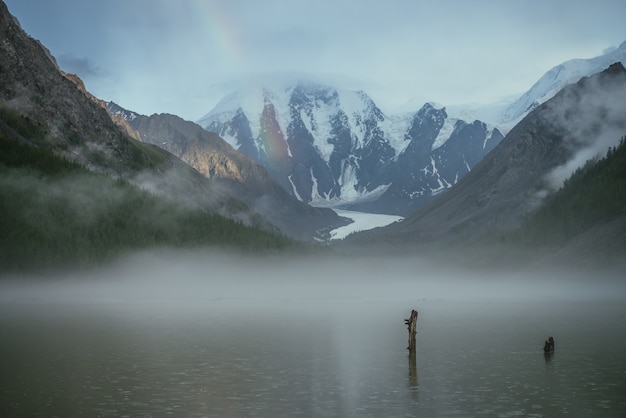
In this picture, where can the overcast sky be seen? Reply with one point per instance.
(181, 56)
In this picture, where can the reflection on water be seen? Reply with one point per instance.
(310, 358)
(413, 369)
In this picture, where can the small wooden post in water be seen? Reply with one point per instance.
(411, 324)
(548, 346)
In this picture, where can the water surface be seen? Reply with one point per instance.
(311, 357)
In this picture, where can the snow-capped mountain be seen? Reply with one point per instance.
(555, 79)
(331, 146)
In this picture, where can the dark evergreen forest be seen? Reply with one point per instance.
(595, 193)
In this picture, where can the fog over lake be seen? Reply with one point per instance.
(217, 334)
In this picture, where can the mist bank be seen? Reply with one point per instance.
(218, 277)
(54, 214)
(220, 334)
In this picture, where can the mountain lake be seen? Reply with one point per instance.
(313, 356)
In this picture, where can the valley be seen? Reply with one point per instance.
(258, 258)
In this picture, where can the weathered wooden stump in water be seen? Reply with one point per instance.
(411, 324)
(548, 346)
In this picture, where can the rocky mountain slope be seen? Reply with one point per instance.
(330, 146)
(579, 123)
(228, 169)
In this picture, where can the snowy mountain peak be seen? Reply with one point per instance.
(558, 77)
(117, 110)
(331, 146)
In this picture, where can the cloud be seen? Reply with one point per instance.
(77, 65)
(609, 49)
(163, 56)
(592, 123)
(211, 276)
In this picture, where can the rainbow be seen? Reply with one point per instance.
(223, 43)
(273, 138)
(221, 36)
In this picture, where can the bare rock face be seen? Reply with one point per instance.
(71, 122)
(204, 151)
(119, 121)
(212, 164)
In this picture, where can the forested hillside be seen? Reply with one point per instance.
(595, 193)
(54, 213)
